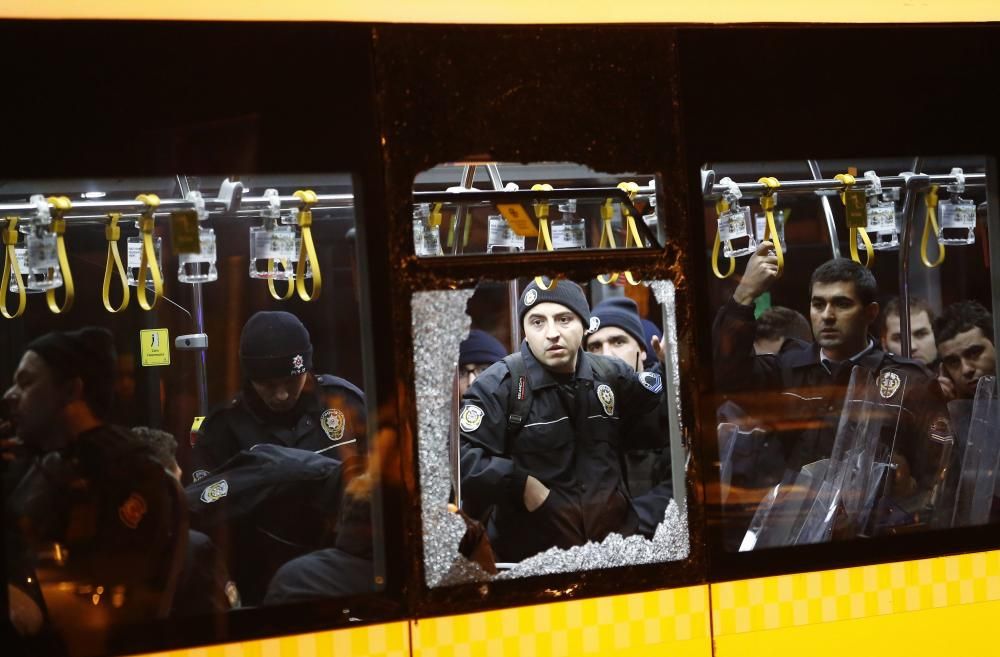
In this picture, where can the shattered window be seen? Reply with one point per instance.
(853, 348)
(549, 438)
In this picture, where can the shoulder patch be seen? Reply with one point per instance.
(470, 417)
(651, 381)
(132, 510)
(607, 398)
(334, 423)
(215, 492)
(888, 384)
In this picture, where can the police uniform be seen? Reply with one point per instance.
(571, 441)
(329, 418)
(800, 396)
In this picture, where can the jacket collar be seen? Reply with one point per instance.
(871, 358)
(540, 377)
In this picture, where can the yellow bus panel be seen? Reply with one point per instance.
(673, 622)
(389, 640)
(931, 606)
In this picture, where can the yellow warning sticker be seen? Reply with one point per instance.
(198, 419)
(155, 347)
(518, 219)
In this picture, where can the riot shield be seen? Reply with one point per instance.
(779, 516)
(977, 481)
(728, 432)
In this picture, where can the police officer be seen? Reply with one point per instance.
(475, 354)
(282, 402)
(620, 334)
(801, 389)
(543, 431)
(90, 488)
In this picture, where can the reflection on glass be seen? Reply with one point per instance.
(824, 431)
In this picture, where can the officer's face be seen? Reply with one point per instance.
(839, 320)
(966, 358)
(36, 401)
(922, 345)
(554, 334)
(468, 373)
(280, 394)
(612, 341)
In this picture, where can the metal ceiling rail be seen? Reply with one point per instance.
(755, 189)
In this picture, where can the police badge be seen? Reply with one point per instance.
(595, 324)
(132, 510)
(607, 398)
(888, 384)
(298, 364)
(530, 297)
(215, 492)
(333, 423)
(470, 418)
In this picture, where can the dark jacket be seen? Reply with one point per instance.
(799, 399)
(329, 418)
(571, 441)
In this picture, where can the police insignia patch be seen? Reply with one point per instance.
(607, 398)
(334, 423)
(470, 418)
(530, 297)
(888, 384)
(132, 510)
(198, 475)
(298, 364)
(215, 492)
(651, 381)
(595, 323)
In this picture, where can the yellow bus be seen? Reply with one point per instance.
(394, 177)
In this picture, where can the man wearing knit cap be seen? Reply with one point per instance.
(89, 487)
(543, 432)
(621, 335)
(476, 353)
(282, 401)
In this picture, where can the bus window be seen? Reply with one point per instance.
(545, 207)
(184, 425)
(548, 416)
(852, 348)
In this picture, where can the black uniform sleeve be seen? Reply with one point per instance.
(489, 475)
(736, 366)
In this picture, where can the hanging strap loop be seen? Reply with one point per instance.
(307, 252)
(767, 204)
(148, 261)
(272, 288)
(112, 233)
(607, 239)
(11, 267)
(544, 233)
(721, 206)
(854, 232)
(632, 237)
(931, 225)
(61, 204)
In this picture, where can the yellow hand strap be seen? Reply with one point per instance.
(607, 239)
(632, 237)
(10, 264)
(767, 205)
(61, 205)
(721, 206)
(854, 233)
(931, 224)
(544, 234)
(114, 261)
(148, 259)
(307, 253)
(289, 291)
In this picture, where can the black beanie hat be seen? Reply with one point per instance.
(479, 348)
(623, 313)
(87, 353)
(274, 344)
(565, 293)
